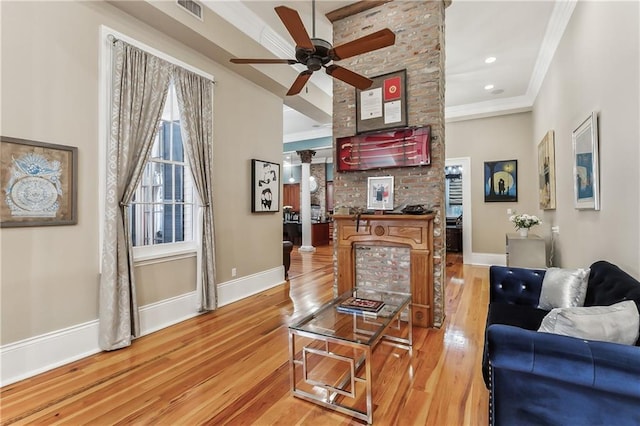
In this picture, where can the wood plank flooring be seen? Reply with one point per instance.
(230, 367)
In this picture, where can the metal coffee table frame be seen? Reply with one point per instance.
(365, 345)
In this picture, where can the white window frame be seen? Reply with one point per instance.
(145, 254)
(155, 251)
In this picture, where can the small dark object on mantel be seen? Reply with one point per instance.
(416, 209)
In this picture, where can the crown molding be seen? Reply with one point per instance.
(556, 26)
(322, 132)
(241, 17)
(491, 108)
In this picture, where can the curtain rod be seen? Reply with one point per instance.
(113, 39)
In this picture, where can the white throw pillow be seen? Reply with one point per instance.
(563, 288)
(618, 323)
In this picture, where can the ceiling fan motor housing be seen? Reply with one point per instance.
(316, 59)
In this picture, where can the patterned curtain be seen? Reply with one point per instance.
(140, 86)
(195, 103)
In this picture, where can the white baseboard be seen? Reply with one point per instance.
(234, 290)
(488, 259)
(165, 313)
(26, 358)
(36, 355)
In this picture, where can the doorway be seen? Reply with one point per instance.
(463, 164)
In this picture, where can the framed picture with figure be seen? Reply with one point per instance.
(380, 193)
(265, 186)
(501, 181)
(586, 173)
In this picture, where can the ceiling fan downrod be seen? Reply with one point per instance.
(313, 18)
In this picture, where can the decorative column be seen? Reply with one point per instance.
(305, 200)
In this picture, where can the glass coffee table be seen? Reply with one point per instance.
(330, 350)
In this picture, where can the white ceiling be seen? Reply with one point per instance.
(521, 35)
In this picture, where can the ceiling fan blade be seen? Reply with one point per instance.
(359, 81)
(297, 85)
(291, 20)
(263, 61)
(368, 43)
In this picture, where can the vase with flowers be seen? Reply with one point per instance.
(523, 222)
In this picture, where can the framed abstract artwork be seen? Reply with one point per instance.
(265, 186)
(39, 183)
(586, 174)
(547, 172)
(501, 181)
(380, 193)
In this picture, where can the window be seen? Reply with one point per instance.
(162, 209)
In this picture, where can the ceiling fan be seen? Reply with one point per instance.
(316, 53)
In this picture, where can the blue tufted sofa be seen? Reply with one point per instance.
(539, 378)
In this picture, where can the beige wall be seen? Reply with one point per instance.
(50, 83)
(596, 68)
(163, 280)
(505, 137)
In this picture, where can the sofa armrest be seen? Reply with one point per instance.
(542, 378)
(520, 286)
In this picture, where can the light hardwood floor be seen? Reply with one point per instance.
(231, 366)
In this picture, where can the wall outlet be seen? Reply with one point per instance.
(234, 272)
(509, 211)
(555, 229)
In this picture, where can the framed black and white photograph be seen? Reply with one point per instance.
(384, 104)
(586, 174)
(39, 183)
(265, 186)
(380, 193)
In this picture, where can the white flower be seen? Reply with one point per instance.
(524, 220)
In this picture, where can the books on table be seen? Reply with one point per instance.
(359, 305)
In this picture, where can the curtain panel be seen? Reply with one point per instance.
(140, 86)
(195, 101)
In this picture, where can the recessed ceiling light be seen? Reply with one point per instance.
(488, 87)
(490, 60)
